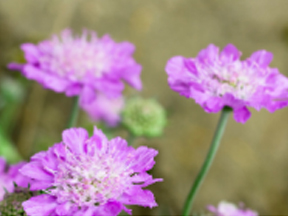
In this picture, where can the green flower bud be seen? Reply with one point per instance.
(11, 205)
(144, 117)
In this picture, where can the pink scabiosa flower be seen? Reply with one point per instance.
(9, 174)
(90, 176)
(215, 81)
(81, 65)
(229, 209)
(105, 109)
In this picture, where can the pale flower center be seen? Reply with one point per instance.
(87, 181)
(75, 58)
(235, 78)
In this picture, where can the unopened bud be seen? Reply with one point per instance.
(144, 117)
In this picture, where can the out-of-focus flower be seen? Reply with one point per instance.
(215, 81)
(81, 65)
(144, 117)
(9, 174)
(229, 209)
(105, 109)
(11, 205)
(90, 176)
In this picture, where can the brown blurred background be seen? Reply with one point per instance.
(251, 165)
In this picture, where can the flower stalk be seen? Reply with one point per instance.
(208, 161)
(130, 139)
(8, 150)
(74, 113)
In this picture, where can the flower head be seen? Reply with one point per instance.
(81, 65)
(12, 202)
(9, 174)
(105, 109)
(229, 209)
(90, 176)
(144, 117)
(215, 81)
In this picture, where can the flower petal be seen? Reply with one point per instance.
(262, 57)
(144, 159)
(87, 95)
(178, 75)
(209, 54)
(31, 52)
(241, 115)
(15, 66)
(43, 205)
(137, 196)
(145, 179)
(35, 170)
(230, 53)
(64, 209)
(110, 208)
(75, 139)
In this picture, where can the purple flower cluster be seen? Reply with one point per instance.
(229, 209)
(89, 176)
(9, 174)
(81, 65)
(216, 80)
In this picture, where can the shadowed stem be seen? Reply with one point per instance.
(208, 161)
(74, 113)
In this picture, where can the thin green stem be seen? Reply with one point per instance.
(74, 113)
(130, 139)
(208, 161)
(8, 150)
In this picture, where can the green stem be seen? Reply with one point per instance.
(130, 139)
(208, 161)
(8, 150)
(7, 118)
(74, 113)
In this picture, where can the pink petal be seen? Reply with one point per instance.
(75, 139)
(213, 104)
(110, 208)
(132, 76)
(209, 54)
(43, 205)
(144, 159)
(145, 179)
(35, 170)
(137, 196)
(15, 66)
(190, 66)
(34, 73)
(64, 209)
(87, 95)
(242, 115)
(39, 185)
(98, 143)
(262, 57)
(73, 89)
(31, 52)
(230, 53)
(55, 83)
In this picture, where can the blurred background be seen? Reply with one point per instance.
(252, 163)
